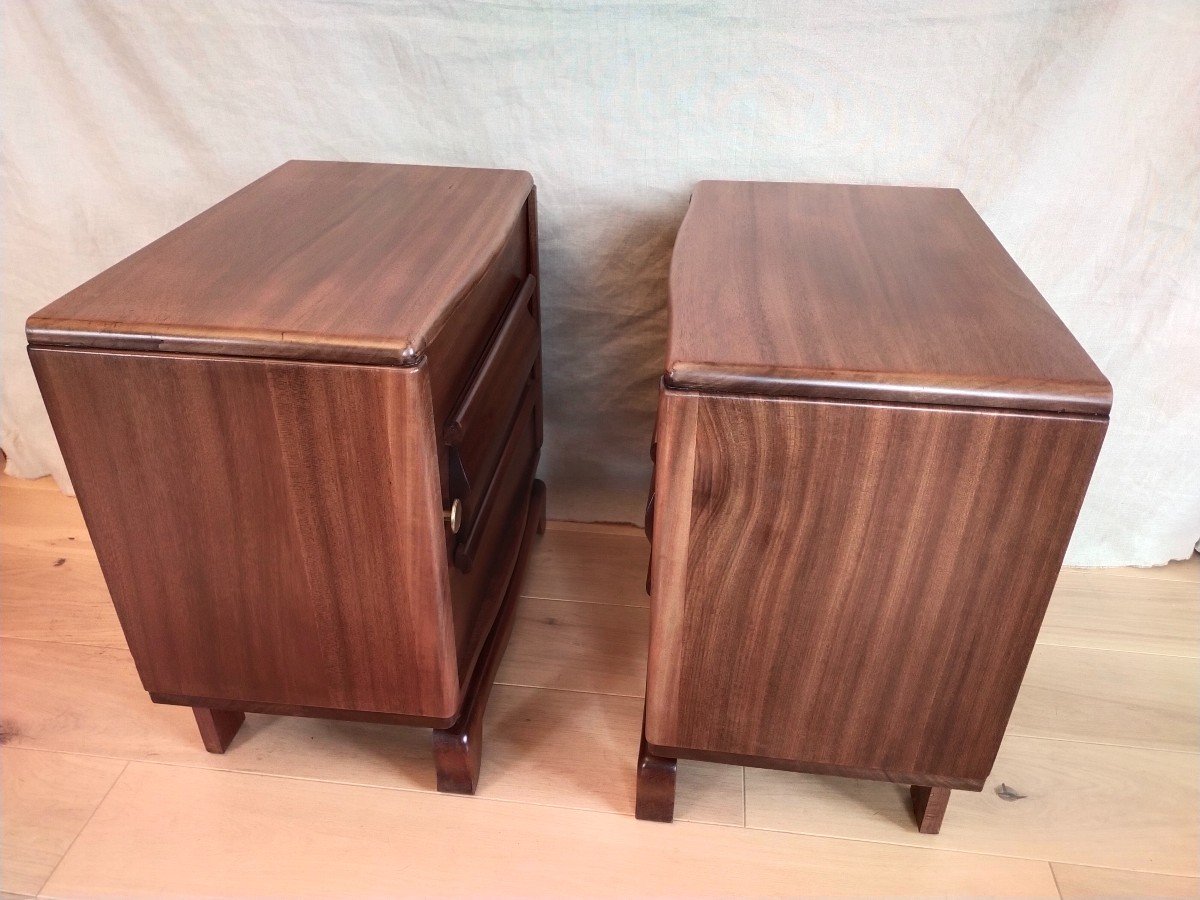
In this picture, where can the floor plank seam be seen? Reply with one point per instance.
(591, 602)
(82, 828)
(1054, 643)
(563, 690)
(94, 644)
(1054, 877)
(1065, 740)
(1123, 572)
(1089, 865)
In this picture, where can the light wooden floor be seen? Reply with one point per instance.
(106, 793)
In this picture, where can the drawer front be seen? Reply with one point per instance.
(476, 430)
(456, 350)
(504, 494)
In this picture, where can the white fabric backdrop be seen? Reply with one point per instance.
(1073, 127)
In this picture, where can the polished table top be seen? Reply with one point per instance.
(864, 292)
(351, 262)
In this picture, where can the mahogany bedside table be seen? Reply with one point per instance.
(303, 428)
(874, 437)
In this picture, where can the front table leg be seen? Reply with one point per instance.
(929, 804)
(217, 727)
(655, 786)
(457, 750)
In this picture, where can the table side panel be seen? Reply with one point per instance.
(269, 531)
(863, 582)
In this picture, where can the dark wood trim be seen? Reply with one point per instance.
(920, 388)
(290, 709)
(888, 293)
(249, 344)
(534, 263)
(808, 768)
(457, 750)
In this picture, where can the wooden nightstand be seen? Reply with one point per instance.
(303, 428)
(874, 437)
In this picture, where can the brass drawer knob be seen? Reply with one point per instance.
(453, 516)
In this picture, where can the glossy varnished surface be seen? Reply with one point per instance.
(275, 378)
(853, 588)
(272, 532)
(354, 262)
(884, 293)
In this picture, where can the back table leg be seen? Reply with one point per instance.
(217, 727)
(929, 804)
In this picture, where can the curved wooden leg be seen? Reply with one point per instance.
(458, 750)
(217, 727)
(655, 786)
(929, 804)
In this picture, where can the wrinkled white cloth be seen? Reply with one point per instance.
(1074, 129)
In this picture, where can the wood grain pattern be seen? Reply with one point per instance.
(863, 292)
(236, 469)
(901, 665)
(341, 261)
(273, 540)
